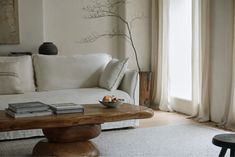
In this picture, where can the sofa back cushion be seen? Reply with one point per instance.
(25, 71)
(69, 72)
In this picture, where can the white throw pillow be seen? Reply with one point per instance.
(113, 74)
(25, 70)
(10, 82)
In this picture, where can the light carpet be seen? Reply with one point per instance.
(181, 140)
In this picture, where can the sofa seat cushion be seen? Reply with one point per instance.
(80, 96)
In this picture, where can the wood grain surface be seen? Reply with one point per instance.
(69, 134)
(75, 149)
(72, 134)
(94, 114)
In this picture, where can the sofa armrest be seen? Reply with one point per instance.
(130, 84)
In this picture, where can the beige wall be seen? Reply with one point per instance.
(31, 27)
(141, 33)
(63, 22)
(65, 25)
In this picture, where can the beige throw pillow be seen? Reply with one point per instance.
(10, 82)
(25, 70)
(113, 74)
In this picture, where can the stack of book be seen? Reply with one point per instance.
(67, 108)
(28, 109)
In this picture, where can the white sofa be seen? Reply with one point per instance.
(61, 79)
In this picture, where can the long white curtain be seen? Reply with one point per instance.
(201, 59)
(200, 56)
(229, 115)
(160, 54)
(201, 66)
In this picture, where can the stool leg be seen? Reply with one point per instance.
(232, 153)
(222, 152)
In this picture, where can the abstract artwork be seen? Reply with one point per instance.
(9, 24)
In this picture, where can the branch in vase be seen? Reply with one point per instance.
(108, 4)
(110, 8)
(93, 37)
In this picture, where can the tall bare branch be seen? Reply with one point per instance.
(110, 8)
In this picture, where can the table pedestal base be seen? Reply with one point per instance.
(69, 142)
(74, 149)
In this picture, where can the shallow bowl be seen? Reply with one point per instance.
(111, 104)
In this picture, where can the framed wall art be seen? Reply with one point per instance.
(9, 22)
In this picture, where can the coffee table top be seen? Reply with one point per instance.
(94, 114)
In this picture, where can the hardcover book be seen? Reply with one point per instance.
(28, 106)
(69, 111)
(66, 106)
(28, 114)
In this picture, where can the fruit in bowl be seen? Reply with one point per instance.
(107, 98)
(110, 101)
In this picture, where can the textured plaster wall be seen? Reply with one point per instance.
(63, 22)
(30, 27)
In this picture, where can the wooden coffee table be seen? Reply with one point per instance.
(69, 134)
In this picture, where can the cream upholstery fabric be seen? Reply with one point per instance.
(81, 96)
(113, 74)
(130, 84)
(25, 71)
(69, 72)
(10, 81)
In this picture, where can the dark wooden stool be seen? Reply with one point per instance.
(226, 141)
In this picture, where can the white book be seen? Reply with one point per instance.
(28, 114)
(66, 106)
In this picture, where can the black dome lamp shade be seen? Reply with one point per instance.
(48, 48)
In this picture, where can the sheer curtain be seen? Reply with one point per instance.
(201, 59)
(160, 54)
(229, 115)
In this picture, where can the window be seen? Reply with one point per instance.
(180, 49)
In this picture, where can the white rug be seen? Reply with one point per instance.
(183, 140)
